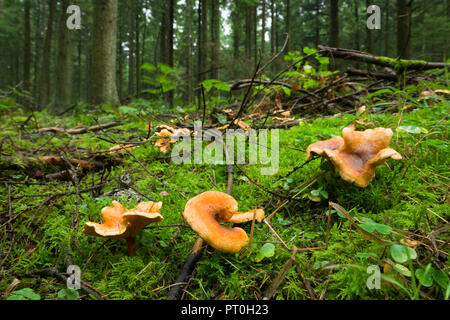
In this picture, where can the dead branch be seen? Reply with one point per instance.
(82, 130)
(380, 60)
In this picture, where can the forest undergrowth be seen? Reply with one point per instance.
(399, 222)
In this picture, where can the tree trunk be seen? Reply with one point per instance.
(79, 65)
(254, 33)
(120, 66)
(215, 39)
(27, 49)
(263, 28)
(103, 83)
(138, 49)
(248, 31)
(288, 22)
(188, 52)
(404, 28)
(37, 50)
(163, 38)
(44, 94)
(334, 29)
(334, 23)
(369, 39)
(203, 43)
(64, 62)
(27, 53)
(272, 27)
(171, 35)
(317, 23)
(131, 48)
(236, 28)
(357, 33)
(387, 32)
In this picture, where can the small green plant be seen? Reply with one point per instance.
(24, 294)
(162, 78)
(266, 251)
(370, 226)
(68, 294)
(213, 83)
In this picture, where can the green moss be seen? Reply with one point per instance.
(302, 222)
(400, 65)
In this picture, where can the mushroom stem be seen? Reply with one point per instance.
(131, 243)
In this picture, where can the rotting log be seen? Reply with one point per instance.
(399, 65)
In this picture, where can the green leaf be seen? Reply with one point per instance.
(222, 86)
(369, 227)
(425, 276)
(24, 294)
(403, 270)
(441, 278)
(394, 282)
(401, 253)
(320, 264)
(266, 251)
(148, 67)
(324, 194)
(165, 68)
(287, 91)
(383, 229)
(14, 297)
(409, 129)
(309, 51)
(163, 244)
(221, 118)
(208, 84)
(68, 294)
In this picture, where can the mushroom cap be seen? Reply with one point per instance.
(357, 153)
(169, 132)
(141, 216)
(203, 214)
(121, 224)
(163, 144)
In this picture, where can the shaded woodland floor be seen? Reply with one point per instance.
(58, 172)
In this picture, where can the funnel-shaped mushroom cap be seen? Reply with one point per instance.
(121, 224)
(141, 216)
(113, 227)
(204, 212)
(357, 153)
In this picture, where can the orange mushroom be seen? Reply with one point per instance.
(163, 144)
(172, 135)
(204, 212)
(357, 153)
(120, 223)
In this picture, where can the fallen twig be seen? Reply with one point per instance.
(82, 130)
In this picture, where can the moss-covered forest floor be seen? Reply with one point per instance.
(405, 206)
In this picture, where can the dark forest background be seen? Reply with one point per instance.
(128, 49)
